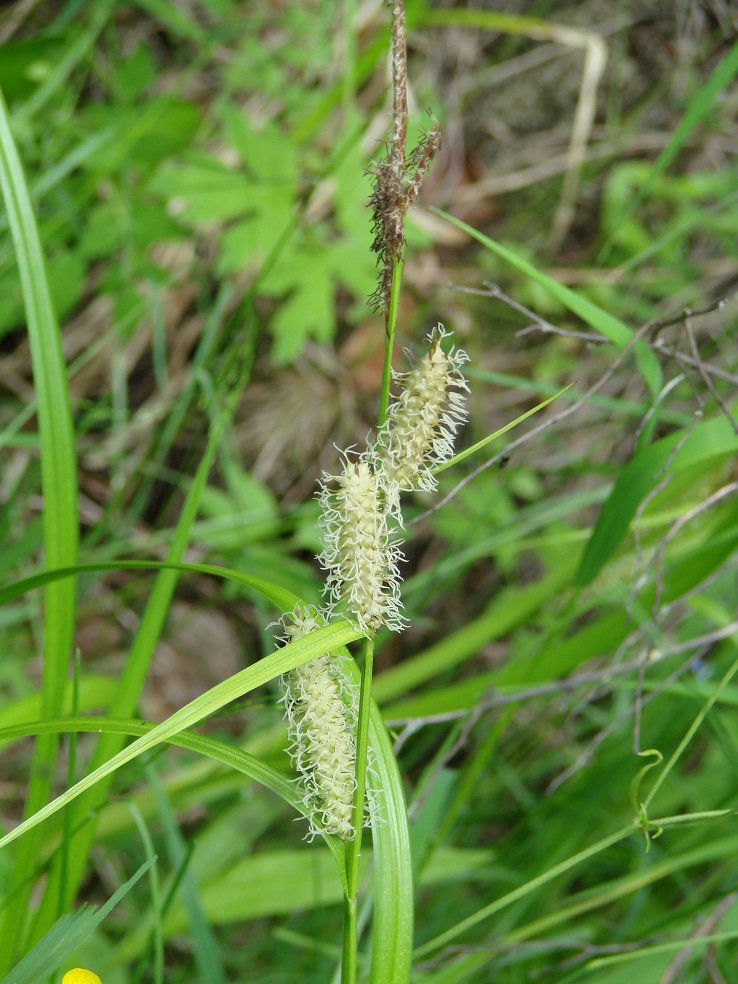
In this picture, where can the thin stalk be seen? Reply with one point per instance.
(71, 779)
(519, 893)
(353, 847)
(470, 779)
(691, 731)
(155, 893)
(392, 308)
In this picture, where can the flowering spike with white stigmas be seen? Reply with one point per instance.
(360, 515)
(320, 706)
(358, 554)
(421, 424)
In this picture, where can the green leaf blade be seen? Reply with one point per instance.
(59, 486)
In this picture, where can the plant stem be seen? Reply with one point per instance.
(691, 731)
(392, 307)
(443, 939)
(353, 847)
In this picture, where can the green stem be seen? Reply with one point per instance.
(691, 731)
(353, 847)
(392, 307)
(71, 779)
(519, 893)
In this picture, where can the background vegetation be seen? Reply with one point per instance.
(197, 172)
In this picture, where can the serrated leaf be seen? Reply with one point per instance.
(309, 312)
(268, 153)
(253, 239)
(206, 191)
(353, 266)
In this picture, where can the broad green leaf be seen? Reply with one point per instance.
(206, 191)
(245, 512)
(133, 74)
(20, 55)
(143, 135)
(268, 154)
(709, 441)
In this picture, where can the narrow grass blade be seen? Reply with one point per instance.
(235, 758)
(126, 698)
(519, 893)
(498, 433)
(280, 597)
(59, 486)
(282, 661)
(393, 877)
(393, 874)
(393, 916)
(511, 608)
(596, 317)
(218, 751)
(65, 937)
(688, 943)
(205, 947)
(699, 106)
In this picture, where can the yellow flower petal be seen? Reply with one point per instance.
(80, 976)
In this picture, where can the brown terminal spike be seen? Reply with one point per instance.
(420, 159)
(397, 178)
(399, 87)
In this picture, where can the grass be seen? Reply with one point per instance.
(184, 340)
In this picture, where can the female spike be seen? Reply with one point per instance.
(358, 554)
(421, 424)
(320, 707)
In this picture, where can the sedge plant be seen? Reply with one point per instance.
(360, 519)
(344, 777)
(345, 773)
